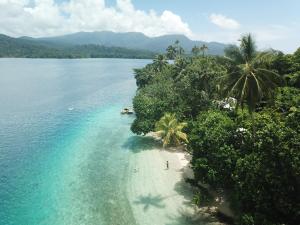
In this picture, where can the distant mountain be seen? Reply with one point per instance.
(104, 44)
(27, 47)
(131, 40)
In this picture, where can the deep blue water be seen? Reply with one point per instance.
(61, 136)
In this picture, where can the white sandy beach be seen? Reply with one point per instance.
(159, 196)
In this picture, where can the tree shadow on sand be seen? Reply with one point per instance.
(150, 201)
(189, 214)
(137, 144)
(186, 190)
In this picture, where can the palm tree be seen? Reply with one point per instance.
(179, 49)
(159, 62)
(171, 52)
(203, 48)
(251, 81)
(195, 50)
(170, 130)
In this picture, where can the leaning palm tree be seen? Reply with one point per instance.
(159, 62)
(251, 81)
(170, 130)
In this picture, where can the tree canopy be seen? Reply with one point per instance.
(258, 169)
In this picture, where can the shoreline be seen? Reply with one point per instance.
(158, 195)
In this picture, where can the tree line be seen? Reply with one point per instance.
(239, 117)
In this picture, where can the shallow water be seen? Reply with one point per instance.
(61, 137)
(67, 156)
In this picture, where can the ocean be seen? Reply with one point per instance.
(62, 153)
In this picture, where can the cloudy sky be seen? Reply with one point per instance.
(275, 23)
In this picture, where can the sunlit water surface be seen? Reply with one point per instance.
(62, 154)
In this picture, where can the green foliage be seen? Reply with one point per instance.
(211, 141)
(171, 52)
(286, 98)
(282, 63)
(288, 66)
(203, 49)
(150, 104)
(293, 79)
(197, 84)
(246, 219)
(159, 63)
(267, 175)
(195, 50)
(174, 51)
(251, 81)
(144, 76)
(170, 130)
(258, 168)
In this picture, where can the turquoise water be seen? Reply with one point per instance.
(62, 159)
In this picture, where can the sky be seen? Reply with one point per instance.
(274, 23)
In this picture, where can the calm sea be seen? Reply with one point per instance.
(62, 159)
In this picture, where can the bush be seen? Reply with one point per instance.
(211, 140)
(267, 178)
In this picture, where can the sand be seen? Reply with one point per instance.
(160, 196)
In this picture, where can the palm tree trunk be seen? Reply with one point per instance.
(253, 126)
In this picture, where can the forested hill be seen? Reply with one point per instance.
(104, 44)
(32, 48)
(133, 40)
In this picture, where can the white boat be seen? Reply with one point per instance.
(127, 111)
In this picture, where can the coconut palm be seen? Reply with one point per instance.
(171, 52)
(170, 130)
(195, 50)
(179, 49)
(251, 81)
(203, 48)
(159, 62)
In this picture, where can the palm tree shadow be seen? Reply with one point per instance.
(150, 201)
(137, 144)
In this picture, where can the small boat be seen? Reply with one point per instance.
(127, 111)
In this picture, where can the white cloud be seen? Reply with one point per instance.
(280, 37)
(224, 22)
(45, 17)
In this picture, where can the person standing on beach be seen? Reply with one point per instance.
(167, 164)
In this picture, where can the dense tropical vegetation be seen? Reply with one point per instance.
(248, 148)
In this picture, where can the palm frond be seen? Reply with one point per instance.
(233, 53)
(248, 47)
(170, 130)
(182, 136)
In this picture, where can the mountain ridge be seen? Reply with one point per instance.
(98, 44)
(133, 40)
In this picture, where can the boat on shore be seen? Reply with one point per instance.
(127, 111)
